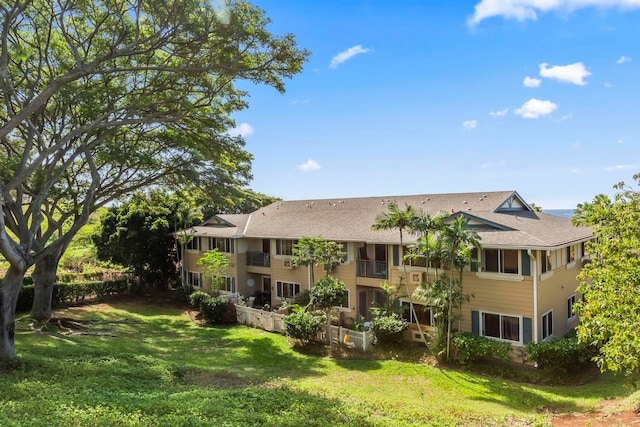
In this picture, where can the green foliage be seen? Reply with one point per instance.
(66, 292)
(328, 292)
(214, 310)
(610, 283)
(302, 298)
(389, 329)
(215, 263)
(217, 310)
(197, 297)
(157, 368)
(302, 326)
(561, 355)
(470, 348)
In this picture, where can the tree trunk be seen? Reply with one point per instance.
(44, 277)
(9, 292)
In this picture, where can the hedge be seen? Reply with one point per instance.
(74, 292)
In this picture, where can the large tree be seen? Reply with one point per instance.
(610, 283)
(100, 99)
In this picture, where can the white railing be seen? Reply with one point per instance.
(273, 322)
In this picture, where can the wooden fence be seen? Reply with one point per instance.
(273, 322)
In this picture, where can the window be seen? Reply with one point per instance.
(571, 253)
(285, 247)
(194, 244)
(194, 279)
(222, 244)
(500, 261)
(545, 260)
(412, 258)
(571, 301)
(547, 325)
(287, 289)
(501, 326)
(422, 312)
(345, 301)
(228, 284)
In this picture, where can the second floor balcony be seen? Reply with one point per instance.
(258, 259)
(372, 268)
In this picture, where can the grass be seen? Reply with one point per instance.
(150, 365)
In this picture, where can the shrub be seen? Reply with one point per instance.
(302, 298)
(213, 309)
(388, 328)
(561, 355)
(302, 326)
(197, 297)
(472, 347)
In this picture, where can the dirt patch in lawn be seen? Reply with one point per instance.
(610, 413)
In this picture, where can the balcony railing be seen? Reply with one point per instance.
(369, 268)
(258, 259)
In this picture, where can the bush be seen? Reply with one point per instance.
(214, 310)
(388, 328)
(302, 298)
(561, 355)
(197, 297)
(472, 347)
(302, 326)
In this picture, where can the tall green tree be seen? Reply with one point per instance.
(610, 283)
(101, 99)
(457, 237)
(401, 220)
(215, 264)
(138, 235)
(327, 293)
(316, 251)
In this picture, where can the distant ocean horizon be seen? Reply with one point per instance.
(563, 213)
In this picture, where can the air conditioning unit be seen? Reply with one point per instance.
(287, 264)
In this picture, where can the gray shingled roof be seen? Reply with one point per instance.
(351, 219)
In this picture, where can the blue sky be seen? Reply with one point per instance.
(412, 97)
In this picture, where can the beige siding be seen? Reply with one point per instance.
(553, 291)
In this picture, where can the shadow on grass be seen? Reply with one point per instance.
(538, 398)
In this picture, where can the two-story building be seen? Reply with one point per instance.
(523, 285)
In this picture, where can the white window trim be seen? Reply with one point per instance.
(279, 284)
(548, 337)
(575, 315)
(520, 325)
(425, 327)
(495, 274)
(348, 307)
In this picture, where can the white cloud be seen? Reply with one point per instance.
(243, 129)
(347, 54)
(310, 165)
(531, 82)
(619, 167)
(620, 141)
(623, 59)
(522, 10)
(300, 101)
(470, 124)
(499, 113)
(572, 73)
(534, 108)
(608, 85)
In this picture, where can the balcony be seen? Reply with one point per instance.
(370, 268)
(258, 259)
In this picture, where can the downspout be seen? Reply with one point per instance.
(535, 296)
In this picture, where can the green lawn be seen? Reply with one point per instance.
(152, 366)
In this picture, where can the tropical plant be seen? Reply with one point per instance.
(610, 283)
(215, 263)
(401, 220)
(326, 294)
(316, 251)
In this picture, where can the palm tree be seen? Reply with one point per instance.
(401, 220)
(456, 235)
(423, 225)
